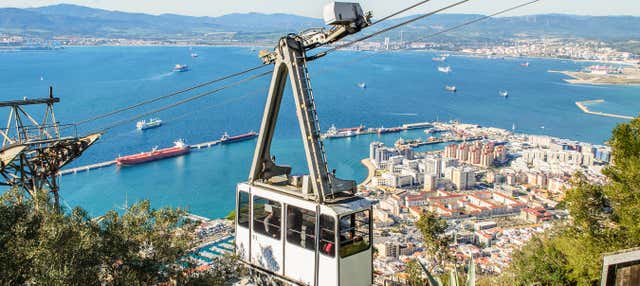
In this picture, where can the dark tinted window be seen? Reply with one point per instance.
(354, 233)
(301, 227)
(267, 217)
(243, 209)
(327, 235)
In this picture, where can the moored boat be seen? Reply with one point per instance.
(226, 139)
(179, 149)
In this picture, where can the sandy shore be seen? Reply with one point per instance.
(371, 168)
(631, 76)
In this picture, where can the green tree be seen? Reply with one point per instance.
(604, 218)
(45, 245)
(432, 229)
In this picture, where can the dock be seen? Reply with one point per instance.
(585, 109)
(86, 168)
(113, 162)
(205, 144)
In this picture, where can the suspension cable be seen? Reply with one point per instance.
(448, 29)
(152, 100)
(393, 27)
(183, 101)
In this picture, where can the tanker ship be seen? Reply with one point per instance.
(155, 154)
(226, 139)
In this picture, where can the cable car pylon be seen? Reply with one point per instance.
(310, 229)
(33, 151)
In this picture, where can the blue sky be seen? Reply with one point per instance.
(313, 7)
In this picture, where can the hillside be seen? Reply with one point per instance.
(65, 19)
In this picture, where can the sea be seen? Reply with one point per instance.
(401, 87)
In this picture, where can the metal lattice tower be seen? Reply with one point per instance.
(34, 149)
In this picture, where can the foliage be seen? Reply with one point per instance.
(414, 271)
(432, 229)
(604, 218)
(43, 245)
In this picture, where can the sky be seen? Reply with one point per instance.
(313, 8)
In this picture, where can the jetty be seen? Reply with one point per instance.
(86, 168)
(205, 144)
(583, 107)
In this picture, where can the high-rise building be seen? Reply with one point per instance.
(433, 166)
(451, 151)
(372, 149)
(430, 182)
(462, 153)
(463, 177)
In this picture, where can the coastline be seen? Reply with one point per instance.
(371, 171)
(631, 77)
(585, 109)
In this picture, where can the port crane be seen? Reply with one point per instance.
(310, 229)
(33, 151)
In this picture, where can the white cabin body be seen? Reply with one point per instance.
(276, 232)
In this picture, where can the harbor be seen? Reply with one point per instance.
(585, 109)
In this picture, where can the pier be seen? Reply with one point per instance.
(583, 107)
(86, 168)
(205, 144)
(113, 162)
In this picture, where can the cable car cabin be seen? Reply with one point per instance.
(312, 229)
(303, 242)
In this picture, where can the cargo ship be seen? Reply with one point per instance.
(226, 139)
(179, 149)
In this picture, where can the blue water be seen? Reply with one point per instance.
(402, 87)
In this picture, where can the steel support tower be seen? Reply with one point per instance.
(34, 149)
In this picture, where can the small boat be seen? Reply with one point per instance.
(362, 85)
(439, 59)
(194, 55)
(226, 139)
(446, 69)
(152, 123)
(180, 68)
(451, 88)
(503, 93)
(525, 64)
(179, 149)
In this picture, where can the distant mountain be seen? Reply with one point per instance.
(65, 19)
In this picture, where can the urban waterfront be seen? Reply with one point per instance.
(402, 87)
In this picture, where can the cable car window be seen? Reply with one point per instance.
(301, 227)
(354, 233)
(327, 235)
(266, 217)
(243, 209)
